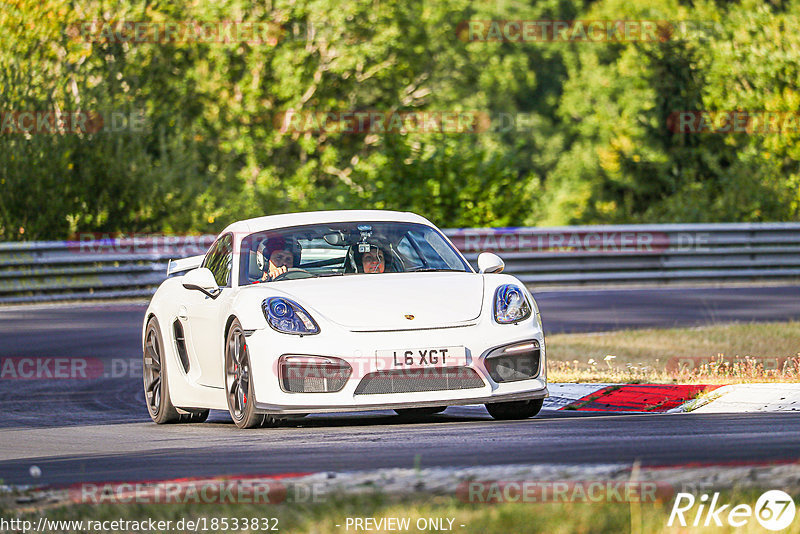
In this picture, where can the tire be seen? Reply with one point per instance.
(430, 410)
(238, 380)
(505, 411)
(154, 372)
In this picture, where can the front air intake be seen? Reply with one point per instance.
(415, 380)
(310, 374)
(180, 345)
(519, 361)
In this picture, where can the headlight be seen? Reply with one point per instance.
(510, 304)
(286, 316)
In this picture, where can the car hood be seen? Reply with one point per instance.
(382, 301)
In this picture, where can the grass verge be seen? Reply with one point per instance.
(724, 353)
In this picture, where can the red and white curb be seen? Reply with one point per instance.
(674, 398)
(563, 395)
(651, 398)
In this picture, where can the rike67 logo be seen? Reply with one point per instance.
(774, 510)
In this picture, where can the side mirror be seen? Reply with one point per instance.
(202, 279)
(489, 263)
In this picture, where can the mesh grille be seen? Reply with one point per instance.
(314, 378)
(411, 380)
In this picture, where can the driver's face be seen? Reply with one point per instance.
(281, 258)
(373, 261)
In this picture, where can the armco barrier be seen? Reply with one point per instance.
(540, 257)
(90, 269)
(624, 254)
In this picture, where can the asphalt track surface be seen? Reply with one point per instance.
(98, 429)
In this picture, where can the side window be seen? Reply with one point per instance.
(220, 260)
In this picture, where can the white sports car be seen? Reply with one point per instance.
(339, 311)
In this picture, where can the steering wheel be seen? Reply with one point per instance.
(293, 273)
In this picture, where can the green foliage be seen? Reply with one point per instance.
(594, 145)
(626, 165)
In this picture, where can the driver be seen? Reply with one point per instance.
(275, 257)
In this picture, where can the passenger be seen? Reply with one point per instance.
(373, 261)
(278, 255)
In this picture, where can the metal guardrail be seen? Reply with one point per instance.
(90, 269)
(540, 257)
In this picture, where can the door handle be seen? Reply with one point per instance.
(182, 314)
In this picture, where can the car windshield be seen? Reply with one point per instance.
(343, 249)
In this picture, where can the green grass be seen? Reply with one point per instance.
(745, 352)
(322, 518)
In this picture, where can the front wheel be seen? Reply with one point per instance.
(239, 381)
(514, 410)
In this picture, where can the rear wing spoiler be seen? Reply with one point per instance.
(184, 264)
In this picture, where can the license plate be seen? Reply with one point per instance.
(422, 358)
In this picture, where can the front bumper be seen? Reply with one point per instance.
(358, 349)
(316, 408)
